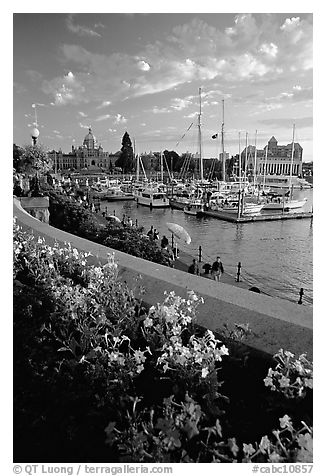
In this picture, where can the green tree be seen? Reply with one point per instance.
(126, 159)
(35, 160)
(17, 159)
(173, 160)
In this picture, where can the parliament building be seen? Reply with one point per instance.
(88, 156)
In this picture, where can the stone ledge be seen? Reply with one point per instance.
(276, 323)
(34, 202)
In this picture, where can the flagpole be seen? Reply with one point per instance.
(223, 153)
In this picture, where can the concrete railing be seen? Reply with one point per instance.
(275, 323)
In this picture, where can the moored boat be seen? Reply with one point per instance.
(152, 197)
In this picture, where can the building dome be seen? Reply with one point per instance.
(90, 140)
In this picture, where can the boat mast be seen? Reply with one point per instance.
(255, 160)
(222, 135)
(161, 167)
(246, 158)
(199, 140)
(265, 166)
(240, 165)
(292, 157)
(137, 162)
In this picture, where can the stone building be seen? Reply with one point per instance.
(89, 155)
(278, 161)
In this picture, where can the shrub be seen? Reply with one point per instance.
(99, 378)
(71, 216)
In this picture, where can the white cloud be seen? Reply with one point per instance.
(104, 104)
(162, 110)
(143, 65)
(179, 104)
(65, 90)
(79, 29)
(119, 119)
(83, 126)
(269, 49)
(291, 24)
(259, 47)
(103, 118)
(82, 114)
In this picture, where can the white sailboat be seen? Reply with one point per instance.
(196, 205)
(152, 194)
(286, 203)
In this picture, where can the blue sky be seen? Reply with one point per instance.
(141, 73)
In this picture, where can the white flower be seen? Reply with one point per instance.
(264, 444)
(148, 322)
(285, 422)
(248, 449)
(204, 372)
(284, 382)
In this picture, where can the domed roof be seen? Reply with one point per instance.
(90, 139)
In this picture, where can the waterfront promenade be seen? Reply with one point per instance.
(275, 323)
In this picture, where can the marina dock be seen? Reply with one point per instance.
(255, 218)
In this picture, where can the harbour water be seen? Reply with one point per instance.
(275, 256)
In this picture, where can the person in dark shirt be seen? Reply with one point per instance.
(155, 235)
(164, 241)
(217, 269)
(207, 268)
(193, 268)
(150, 232)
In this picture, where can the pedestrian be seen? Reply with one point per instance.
(167, 253)
(217, 269)
(193, 268)
(129, 221)
(164, 241)
(156, 235)
(207, 268)
(150, 232)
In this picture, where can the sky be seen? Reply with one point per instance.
(141, 73)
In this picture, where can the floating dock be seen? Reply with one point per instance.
(254, 218)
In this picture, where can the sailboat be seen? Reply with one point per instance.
(152, 194)
(286, 202)
(195, 206)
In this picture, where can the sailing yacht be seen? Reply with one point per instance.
(152, 194)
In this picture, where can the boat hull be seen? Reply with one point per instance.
(152, 203)
(288, 205)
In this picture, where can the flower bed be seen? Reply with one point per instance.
(99, 378)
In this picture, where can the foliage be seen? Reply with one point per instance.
(71, 216)
(33, 159)
(17, 161)
(173, 160)
(125, 160)
(100, 378)
(292, 376)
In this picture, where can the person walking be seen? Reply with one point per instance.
(194, 268)
(156, 235)
(217, 269)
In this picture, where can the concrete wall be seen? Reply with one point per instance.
(275, 323)
(38, 207)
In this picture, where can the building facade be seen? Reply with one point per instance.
(89, 155)
(276, 162)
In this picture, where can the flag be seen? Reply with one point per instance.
(215, 136)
